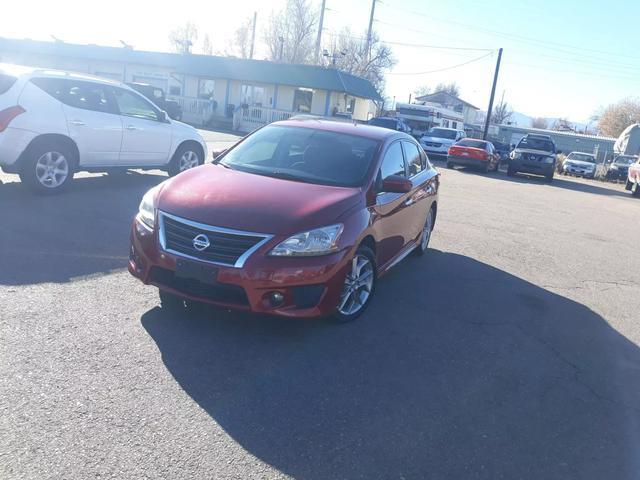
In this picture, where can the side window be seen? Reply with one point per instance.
(77, 94)
(414, 159)
(132, 105)
(393, 162)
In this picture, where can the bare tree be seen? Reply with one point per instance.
(350, 55)
(501, 113)
(618, 116)
(291, 32)
(451, 88)
(240, 43)
(422, 90)
(540, 122)
(183, 38)
(563, 125)
(207, 48)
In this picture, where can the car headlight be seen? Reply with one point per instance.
(147, 208)
(548, 160)
(515, 155)
(320, 241)
(614, 167)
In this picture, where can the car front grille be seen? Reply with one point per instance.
(220, 292)
(431, 144)
(225, 247)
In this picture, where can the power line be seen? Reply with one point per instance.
(417, 45)
(445, 68)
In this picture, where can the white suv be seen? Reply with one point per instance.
(55, 123)
(437, 140)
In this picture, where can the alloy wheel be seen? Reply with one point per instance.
(357, 286)
(52, 169)
(426, 231)
(188, 160)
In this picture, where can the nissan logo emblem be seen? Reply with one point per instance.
(201, 242)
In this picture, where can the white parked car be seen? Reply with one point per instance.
(54, 123)
(438, 140)
(580, 164)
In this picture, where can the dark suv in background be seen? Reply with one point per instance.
(157, 96)
(534, 154)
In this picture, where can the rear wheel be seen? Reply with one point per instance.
(449, 164)
(426, 233)
(635, 189)
(359, 286)
(48, 168)
(185, 158)
(511, 172)
(549, 177)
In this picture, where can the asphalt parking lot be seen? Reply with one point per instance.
(511, 350)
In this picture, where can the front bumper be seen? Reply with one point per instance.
(440, 151)
(581, 172)
(535, 168)
(311, 286)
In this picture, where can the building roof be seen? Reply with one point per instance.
(425, 98)
(260, 71)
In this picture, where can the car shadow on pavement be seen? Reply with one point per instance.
(82, 231)
(458, 370)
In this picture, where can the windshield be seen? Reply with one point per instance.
(625, 160)
(6, 81)
(537, 143)
(305, 155)
(384, 122)
(442, 133)
(582, 157)
(472, 143)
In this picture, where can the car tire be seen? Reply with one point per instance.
(628, 186)
(635, 189)
(511, 172)
(429, 223)
(48, 167)
(186, 157)
(486, 169)
(549, 178)
(449, 164)
(364, 258)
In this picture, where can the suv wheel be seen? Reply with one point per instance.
(48, 168)
(635, 189)
(185, 158)
(511, 172)
(359, 286)
(549, 178)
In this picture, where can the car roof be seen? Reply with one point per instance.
(537, 135)
(19, 70)
(447, 128)
(348, 128)
(583, 153)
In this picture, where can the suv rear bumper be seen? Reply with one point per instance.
(467, 162)
(524, 166)
(13, 141)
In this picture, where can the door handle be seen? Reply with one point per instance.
(409, 202)
(131, 127)
(77, 122)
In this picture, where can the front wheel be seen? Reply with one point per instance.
(185, 158)
(359, 286)
(511, 172)
(635, 189)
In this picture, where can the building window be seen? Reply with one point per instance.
(350, 103)
(252, 95)
(454, 124)
(175, 90)
(206, 87)
(302, 99)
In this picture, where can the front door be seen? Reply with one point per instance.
(146, 137)
(391, 212)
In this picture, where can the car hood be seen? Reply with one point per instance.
(579, 163)
(534, 152)
(447, 141)
(218, 196)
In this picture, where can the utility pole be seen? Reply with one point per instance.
(317, 55)
(281, 46)
(253, 34)
(493, 94)
(369, 31)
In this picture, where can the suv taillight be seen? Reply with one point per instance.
(8, 114)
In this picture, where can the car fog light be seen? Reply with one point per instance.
(276, 299)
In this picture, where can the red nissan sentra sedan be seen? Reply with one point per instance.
(470, 152)
(299, 219)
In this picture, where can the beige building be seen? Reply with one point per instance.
(211, 88)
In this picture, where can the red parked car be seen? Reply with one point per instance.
(470, 152)
(299, 219)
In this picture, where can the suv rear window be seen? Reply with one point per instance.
(78, 94)
(6, 82)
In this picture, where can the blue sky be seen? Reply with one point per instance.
(562, 58)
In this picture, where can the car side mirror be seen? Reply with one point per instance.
(218, 153)
(163, 116)
(396, 184)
